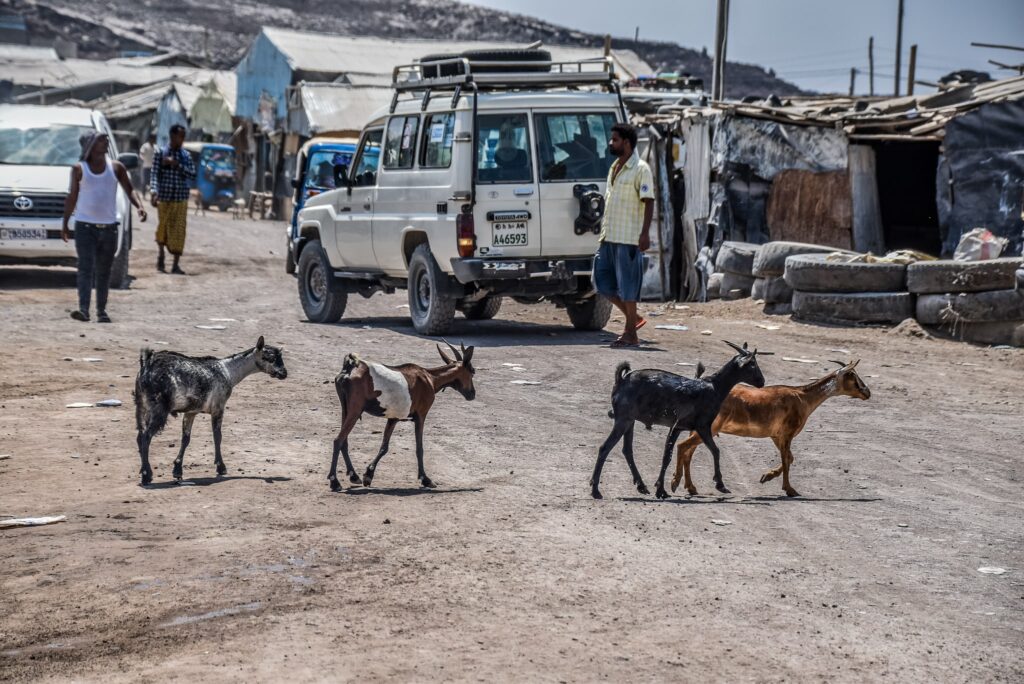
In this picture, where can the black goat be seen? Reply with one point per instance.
(169, 383)
(656, 397)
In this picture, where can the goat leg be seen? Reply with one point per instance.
(709, 442)
(666, 458)
(145, 471)
(421, 473)
(787, 462)
(218, 423)
(371, 469)
(627, 451)
(348, 421)
(186, 437)
(684, 454)
(618, 430)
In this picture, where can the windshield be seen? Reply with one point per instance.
(574, 147)
(51, 145)
(216, 159)
(320, 173)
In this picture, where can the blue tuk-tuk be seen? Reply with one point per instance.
(314, 174)
(215, 173)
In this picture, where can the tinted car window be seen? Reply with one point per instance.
(438, 132)
(503, 149)
(574, 147)
(400, 142)
(321, 165)
(365, 172)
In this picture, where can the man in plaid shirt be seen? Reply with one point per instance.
(625, 231)
(169, 186)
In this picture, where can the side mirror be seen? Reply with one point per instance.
(129, 159)
(341, 179)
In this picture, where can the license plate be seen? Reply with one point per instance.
(22, 233)
(509, 234)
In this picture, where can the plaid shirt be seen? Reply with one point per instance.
(624, 211)
(171, 185)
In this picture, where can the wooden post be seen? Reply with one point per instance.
(899, 49)
(607, 45)
(871, 66)
(721, 37)
(853, 79)
(913, 68)
(867, 235)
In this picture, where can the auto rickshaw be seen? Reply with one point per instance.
(215, 173)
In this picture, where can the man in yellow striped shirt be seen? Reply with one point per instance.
(625, 231)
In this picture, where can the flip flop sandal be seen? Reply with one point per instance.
(622, 344)
(641, 323)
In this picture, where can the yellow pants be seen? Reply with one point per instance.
(170, 231)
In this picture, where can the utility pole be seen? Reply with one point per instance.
(721, 37)
(853, 79)
(636, 35)
(899, 48)
(871, 66)
(913, 68)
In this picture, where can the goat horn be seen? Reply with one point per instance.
(839, 363)
(458, 356)
(739, 349)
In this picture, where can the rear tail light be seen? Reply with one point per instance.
(465, 229)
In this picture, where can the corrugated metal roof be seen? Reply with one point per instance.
(334, 54)
(77, 72)
(332, 107)
(32, 52)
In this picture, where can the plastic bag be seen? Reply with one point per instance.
(979, 245)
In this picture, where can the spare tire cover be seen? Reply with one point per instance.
(940, 277)
(770, 259)
(814, 273)
(853, 307)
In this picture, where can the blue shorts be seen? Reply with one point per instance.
(619, 271)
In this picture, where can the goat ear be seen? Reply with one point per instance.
(444, 357)
(259, 344)
(467, 356)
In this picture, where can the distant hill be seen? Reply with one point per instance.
(218, 31)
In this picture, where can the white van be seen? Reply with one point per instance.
(38, 147)
(484, 179)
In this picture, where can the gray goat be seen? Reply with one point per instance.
(170, 383)
(656, 397)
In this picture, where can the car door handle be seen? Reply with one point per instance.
(345, 209)
(367, 205)
(522, 192)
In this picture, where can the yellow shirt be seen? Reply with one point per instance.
(623, 209)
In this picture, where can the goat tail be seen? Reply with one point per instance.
(621, 371)
(145, 354)
(700, 369)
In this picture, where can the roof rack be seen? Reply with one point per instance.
(584, 72)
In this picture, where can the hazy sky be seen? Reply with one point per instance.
(811, 42)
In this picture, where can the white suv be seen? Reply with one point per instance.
(484, 179)
(38, 147)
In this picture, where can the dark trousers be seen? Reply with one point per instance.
(96, 245)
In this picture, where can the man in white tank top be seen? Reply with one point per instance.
(93, 201)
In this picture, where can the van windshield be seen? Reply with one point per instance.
(574, 147)
(50, 145)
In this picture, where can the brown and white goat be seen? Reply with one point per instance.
(397, 393)
(778, 412)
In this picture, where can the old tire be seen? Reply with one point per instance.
(431, 310)
(940, 277)
(320, 302)
(735, 286)
(847, 308)
(714, 286)
(119, 278)
(778, 308)
(757, 290)
(1001, 332)
(971, 307)
(1020, 279)
(483, 310)
(736, 257)
(770, 259)
(814, 273)
(777, 291)
(590, 314)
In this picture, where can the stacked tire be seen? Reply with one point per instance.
(848, 293)
(733, 269)
(976, 301)
(769, 270)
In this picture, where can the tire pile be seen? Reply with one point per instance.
(733, 277)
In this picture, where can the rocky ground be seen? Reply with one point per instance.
(509, 570)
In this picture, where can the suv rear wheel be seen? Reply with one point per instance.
(432, 312)
(319, 302)
(590, 314)
(483, 310)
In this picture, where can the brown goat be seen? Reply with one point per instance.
(397, 393)
(778, 412)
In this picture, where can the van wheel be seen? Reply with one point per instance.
(319, 302)
(119, 278)
(432, 312)
(590, 314)
(484, 310)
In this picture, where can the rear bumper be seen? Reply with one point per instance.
(475, 270)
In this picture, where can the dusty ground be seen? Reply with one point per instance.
(508, 570)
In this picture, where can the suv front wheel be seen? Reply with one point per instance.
(590, 314)
(319, 302)
(431, 310)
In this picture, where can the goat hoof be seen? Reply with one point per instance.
(335, 486)
(642, 488)
(354, 479)
(176, 475)
(792, 492)
(722, 488)
(427, 483)
(692, 491)
(661, 493)
(147, 478)
(767, 476)
(222, 470)
(367, 480)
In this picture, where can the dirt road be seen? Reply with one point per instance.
(507, 571)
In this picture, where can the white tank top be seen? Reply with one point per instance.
(97, 195)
